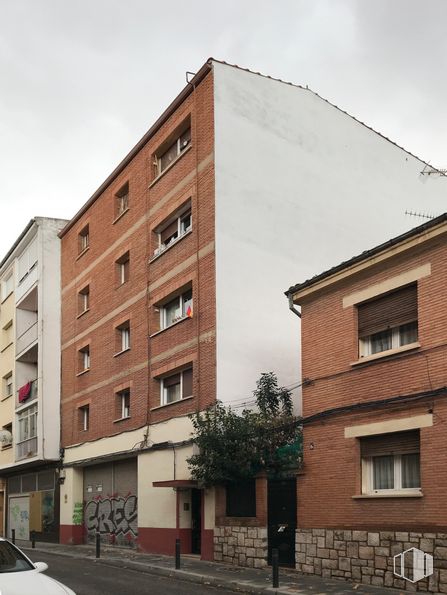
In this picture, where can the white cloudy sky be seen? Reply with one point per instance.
(81, 81)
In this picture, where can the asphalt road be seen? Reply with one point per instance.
(87, 577)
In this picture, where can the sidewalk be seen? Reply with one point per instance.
(194, 570)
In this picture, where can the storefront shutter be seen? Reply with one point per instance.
(388, 311)
(397, 443)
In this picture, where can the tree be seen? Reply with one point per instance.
(236, 446)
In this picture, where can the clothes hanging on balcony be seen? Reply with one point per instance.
(24, 392)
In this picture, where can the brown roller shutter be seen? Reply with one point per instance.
(187, 383)
(397, 443)
(171, 380)
(169, 231)
(388, 311)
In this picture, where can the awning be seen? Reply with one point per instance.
(176, 483)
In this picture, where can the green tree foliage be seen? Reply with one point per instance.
(236, 446)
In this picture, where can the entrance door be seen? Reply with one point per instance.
(196, 520)
(282, 520)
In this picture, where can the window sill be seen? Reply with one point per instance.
(6, 398)
(121, 285)
(396, 494)
(82, 253)
(170, 326)
(115, 421)
(173, 403)
(83, 372)
(6, 347)
(170, 245)
(384, 354)
(118, 217)
(121, 352)
(83, 312)
(7, 447)
(6, 297)
(188, 148)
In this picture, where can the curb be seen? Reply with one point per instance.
(183, 575)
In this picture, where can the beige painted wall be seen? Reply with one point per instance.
(7, 310)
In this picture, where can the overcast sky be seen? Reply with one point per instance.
(81, 81)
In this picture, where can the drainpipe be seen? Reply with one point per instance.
(292, 306)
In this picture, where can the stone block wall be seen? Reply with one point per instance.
(367, 557)
(241, 546)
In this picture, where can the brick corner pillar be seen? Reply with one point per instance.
(72, 507)
(261, 500)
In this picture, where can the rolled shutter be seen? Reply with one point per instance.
(388, 311)
(169, 231)
(397, 443)
(171, 380)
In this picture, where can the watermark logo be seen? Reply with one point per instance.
(413, 565)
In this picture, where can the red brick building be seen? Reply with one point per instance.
(171, 295)
(374, 362)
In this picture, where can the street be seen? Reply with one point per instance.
(88, 577)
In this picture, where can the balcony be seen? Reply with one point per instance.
(26, 448)
(26, 340)
(25, 397)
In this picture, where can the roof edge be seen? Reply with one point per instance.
(184, 93)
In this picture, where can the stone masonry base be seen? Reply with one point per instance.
(367, 556)
(242, 546)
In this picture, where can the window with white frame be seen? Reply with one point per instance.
(84, 417)
(84, 358)
(388, 322)
(84, 300)
(7, 385)
(27, 423)
(7, 335)
(176, 309)
(123, 337)
(7, 286)
(391, 463)
(122, 269)
(27, 260)
(173, 230)
(123, 398)
(170, 151)
(176, 387)
(122, 200)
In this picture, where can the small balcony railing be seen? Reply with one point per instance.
(27, 338)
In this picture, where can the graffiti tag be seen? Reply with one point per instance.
(77, 513)
(116, 515)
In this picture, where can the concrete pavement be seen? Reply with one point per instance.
(194, 570)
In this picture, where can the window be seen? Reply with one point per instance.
(7, 385)
(122, 269)
(388, 322)
(27, 260)
(173, 230)
(84, 359)
(177, 309)
(241, 498)
(27, 421)
(122, 200)
(84, 417)
(123, 337)
(123, 398)
(6, 439)
(84, 239)
(176, 387)
(7, 286)
(84, 300)
(390, 463)
(7, 335)
(171, 150)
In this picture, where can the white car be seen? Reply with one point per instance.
(20, 576)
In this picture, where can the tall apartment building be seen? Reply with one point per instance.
(172, 279)
(374, 356)
(30, 372)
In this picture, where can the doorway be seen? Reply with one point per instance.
(282, 520)
(196, 520)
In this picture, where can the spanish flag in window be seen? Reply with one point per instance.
(189, 312)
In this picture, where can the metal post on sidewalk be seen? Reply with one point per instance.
(177, 554)
(275, 568)
(13, 535)
(98, 545)
(33, 539)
